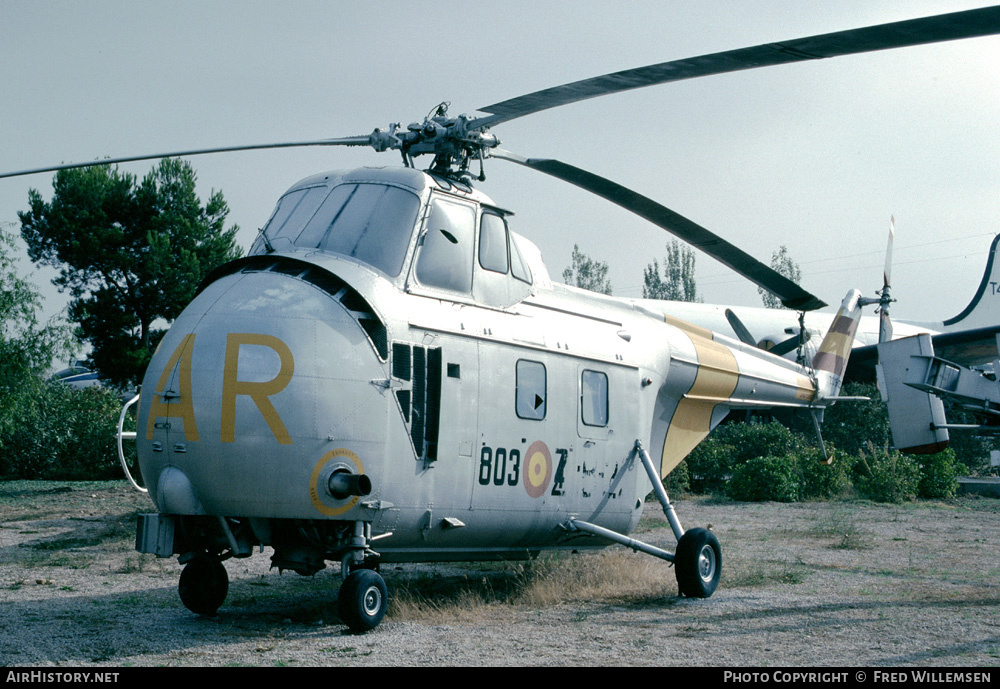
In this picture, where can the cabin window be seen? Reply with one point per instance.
(594, 398)
(530, 390)
(493, 243)
(445, 258)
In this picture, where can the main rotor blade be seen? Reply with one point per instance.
(944, 27)
(790, 294)
(347, 141)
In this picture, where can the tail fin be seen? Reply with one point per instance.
(984, 309)
(916, 418)
(830, 361)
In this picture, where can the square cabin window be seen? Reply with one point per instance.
(594, 398)
(530, 390)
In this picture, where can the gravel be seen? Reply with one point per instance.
(808, 584)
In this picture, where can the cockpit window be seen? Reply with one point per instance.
(369, 222)
(293, 211)
(518, 266)
(445, 257)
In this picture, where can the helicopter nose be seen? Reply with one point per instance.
(262, 379)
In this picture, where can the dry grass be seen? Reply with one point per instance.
(841, 524)
(616, 575)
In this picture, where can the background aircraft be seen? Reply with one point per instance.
(967, 338)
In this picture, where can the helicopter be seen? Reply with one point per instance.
(390, 374)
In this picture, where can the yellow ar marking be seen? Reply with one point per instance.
(259, 392)
(181, 407)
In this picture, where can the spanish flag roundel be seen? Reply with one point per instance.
(537, 469)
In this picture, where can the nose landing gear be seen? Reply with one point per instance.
(363, 600)
(204, 584)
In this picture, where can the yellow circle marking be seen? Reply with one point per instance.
(314, 482)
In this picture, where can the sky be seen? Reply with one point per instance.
(815, 156)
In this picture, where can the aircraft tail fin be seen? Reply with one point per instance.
(830, 361)
(916, 418)
(984, 309)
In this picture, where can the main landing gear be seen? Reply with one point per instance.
(361, 603)
(698, 558)
(698, 563)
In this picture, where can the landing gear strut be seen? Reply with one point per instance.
(204, 584)
(698, 558)
(363, 598)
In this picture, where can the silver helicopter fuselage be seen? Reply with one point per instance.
(388, 324)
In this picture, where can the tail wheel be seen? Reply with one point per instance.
(698, 563)
(204, 584)
(363, 600)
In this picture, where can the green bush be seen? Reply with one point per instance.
(798, 475)
(938, 475)
(710, 465)
(715, 460)
(852, 426)
(886, 475)
(766, 478)
(678, 481)
(820, 479)
(50, 431)
(755, 439)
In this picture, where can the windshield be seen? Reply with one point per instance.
(368, 222)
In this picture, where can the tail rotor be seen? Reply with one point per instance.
(885, 296)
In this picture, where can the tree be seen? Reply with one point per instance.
(26, 347)
(678, 281)
(783, 263)
(587, 273)
(128, 252)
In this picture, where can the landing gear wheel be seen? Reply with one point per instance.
(698, 563)
(204, 584)
(363, 600)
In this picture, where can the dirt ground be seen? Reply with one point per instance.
(810, 584)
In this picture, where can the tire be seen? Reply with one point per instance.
(204, 584)
(363, 600)
(698, 563)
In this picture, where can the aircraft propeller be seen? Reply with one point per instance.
(743, 333)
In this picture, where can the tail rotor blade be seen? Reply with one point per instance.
(884, 324)
(888, 251)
